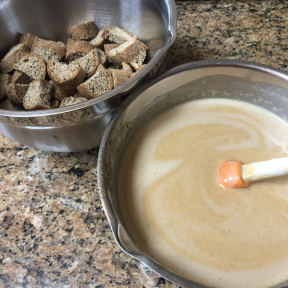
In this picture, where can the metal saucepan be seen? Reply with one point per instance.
(204, 79)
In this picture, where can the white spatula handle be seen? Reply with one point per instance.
(264, 169)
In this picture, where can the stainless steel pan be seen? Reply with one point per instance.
(247, 81)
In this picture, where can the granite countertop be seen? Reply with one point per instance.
(54, 232)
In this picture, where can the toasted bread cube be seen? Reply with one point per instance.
(16, 92)
(125, 52)
(99, 83)
(89, 62)
(103, 60)
(72, 100)
(27, 39)
(138, 61)
(58, 93)
(99, 40)
(120, 75)
(8, 105)
(76, 49)
(66, 76)
(48, 49)
(117, 35)
(21, 78)
(83, 31)
(138, 70)
(32, 65)
(38, 95)
(12, 57)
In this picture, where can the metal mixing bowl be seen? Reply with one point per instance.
(250, 82)
(81, 126)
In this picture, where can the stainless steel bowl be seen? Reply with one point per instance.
(81, 126)
(203, 79)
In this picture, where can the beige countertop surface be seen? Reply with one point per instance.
(54, 232)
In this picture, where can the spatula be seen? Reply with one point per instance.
(235, 174)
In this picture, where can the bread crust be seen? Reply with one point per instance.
(12, 57)
(66, 82)
(58, 93)
(138, 70)
(103, 60)
(120, 75)
(32, 65)
(48, 49)
(125, 52)
(76, 49)
(83, 31)
(72, 100)
(8, 105)
(116, 34)
(21, 78)
(27, 39)
(99, 83)
(89, 62)
(138, 61)
(99, 40)
(38, 95)
(16, 92)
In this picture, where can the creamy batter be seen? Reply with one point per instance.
(180, 216)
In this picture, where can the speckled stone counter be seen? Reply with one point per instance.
(54, 232)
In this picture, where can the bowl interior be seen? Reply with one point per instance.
(217, 79)
(50, 19)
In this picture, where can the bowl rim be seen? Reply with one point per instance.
(115, 223)
(172, 34)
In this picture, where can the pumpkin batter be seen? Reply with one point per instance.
(182, 218)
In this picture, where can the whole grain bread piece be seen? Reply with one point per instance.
(76, 49)
(27, 39)
(108, 48)
(5, 79)
(127, 69)
(99, 40)
(8, 105)
(13, 55)
(116, 34)
(16, 92)
(103, 60)
(89, 62)
(99, 83)
(138, 70)
(32, 65)
(120, 75)
(138, 61)
(38, 95)
(21, 78)
(125, 52)
(58, 93)
(83, 31)
(66, 76)
(48, 49)
(72, 100)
